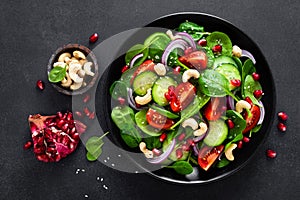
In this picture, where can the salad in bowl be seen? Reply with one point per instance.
(188, 98)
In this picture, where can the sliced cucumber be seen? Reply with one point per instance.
(143, 82)
(160, 88)
(217, 133)
(230, 72)
(224, 60)
(141, 122)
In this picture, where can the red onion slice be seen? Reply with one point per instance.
(164, 156)
(199, 138)
(187, 38)
(134, 59)
(262, 113)
(178, 43)
(247, 54)
(230, 103)
(196, 150)
(131, 101)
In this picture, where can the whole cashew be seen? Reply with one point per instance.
(82, 61)
(228, 152)
(63, 56)
(73, 70)
(202, 130)
(191, 122)
(144, 99)
(242, 104)
(59, 64)
(160, 69)
(75, 86)
(81, 73)
(66, 82)
(143, 147)
(147, 152)
(87, 68)
(79, 55)
(236, 51)
(171, 36)
(188, 74)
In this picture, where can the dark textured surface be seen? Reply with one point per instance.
(32, 30)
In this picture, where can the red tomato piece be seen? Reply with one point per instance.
(208, 155)
(196, 59)
(184, 95)
(251, 121)
(215, 108)
(157, 120)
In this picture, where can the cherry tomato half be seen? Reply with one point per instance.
(184, 95)
(253, 119)
(215, 108)
(196, 59)
(147, 65)
(208, 155)
(157, 120)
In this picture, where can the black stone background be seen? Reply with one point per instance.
(30, 31)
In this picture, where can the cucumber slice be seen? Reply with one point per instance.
(230, 72)
(220, 38)
(143, 82)
(224, 60)
(160, 88)
(217, 133)
(141, 122)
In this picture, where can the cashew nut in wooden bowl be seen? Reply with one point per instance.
(72, 69)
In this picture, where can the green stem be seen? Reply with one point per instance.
(232, 95)
(182, 65)
(193, 161)
(102, 136)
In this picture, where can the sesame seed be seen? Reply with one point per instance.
(86, 196)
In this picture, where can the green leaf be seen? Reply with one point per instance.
(153, 142)
(157, 43)
(129, 139)
(222, 39)
(182, 167)
(94, 147)
(250, 85)
(57, 74)
(222, 163)
(118, 89)
(90, 157)
(135, 50)
(236, 139)
(239, 123)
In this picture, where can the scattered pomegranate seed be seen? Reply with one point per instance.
(78, 113)
(258, 93)
(176, 70)
(124, 69)
(217, 48)
(240, 144)
(185, 147)
(179, 153)
(190, 142)
(86, 98)
(188, 51)
(255, 76)
(156, 151)
(282, 116)
(246, 139)
(271, 153)
(235, 82)
(40, 84)
(230, 123)
(121, 100)
(93, 38)
(162, 137)
(181, 136)
(202, 42)
(281, 127)
(249, 100)
(27, 145)
(92, 115)
(87, 111)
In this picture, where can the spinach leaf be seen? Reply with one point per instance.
(247, 69)
(196, 31)
(222, 163)
(135, 50)
(57, 74)
(131, 140)
(141, 122)
(220, 38)
(118, 89)
(236, 139)
(250, 85)
(182, 167)
(239, 123)
(214, 84)
(153, 142)
(157, 43)
(94, 147)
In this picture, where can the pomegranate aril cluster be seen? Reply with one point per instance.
(282, 116)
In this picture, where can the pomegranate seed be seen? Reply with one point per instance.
(188, 51)
(86, 98)
(87, 111)
(217, 48)
(78, 113)
(40, 84)
(281, 127)
(93, 38)
(121, 100)
(179, 153)
(258, 93)
(282, 116)
(171, 89)
(249, 100)
(27, 145)
(230, 123)
(124, 69)
(156, 151)
(162, 137)
(181, 136)
(235, 82)
(240, 144)
(202, 42)
(271, 153)
(190, 142)
(255, 76)
(92, 115)
(69, 116)
(246, 139)
(185, 147)
(176, 70)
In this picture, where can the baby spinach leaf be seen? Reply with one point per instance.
(250, 85)
(196, 31)
(157, 43)
(236, 139)
(153, 142)
(131, 140)
(239, 123)
(57, 74)
(222, 163)
(182, 167)
(135, 50)
(118, 89)
(220, 38)
(94, 147)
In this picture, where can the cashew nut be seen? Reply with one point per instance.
(236, 51)
(63, 56)
(188, 74)
(66, 82)
(171, 36)
(191, 122)
(79, 55)
(201, 130)
(75, 86)
(144, 99)
(87, 68)
(147, 152)
(228, 152)
(142, 146)
(82, 61)
(160, 69)
(242, 104)
(59, 64)
(73, 70)
(68, 60)
(81, 73)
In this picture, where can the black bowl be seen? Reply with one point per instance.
(210, 23)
